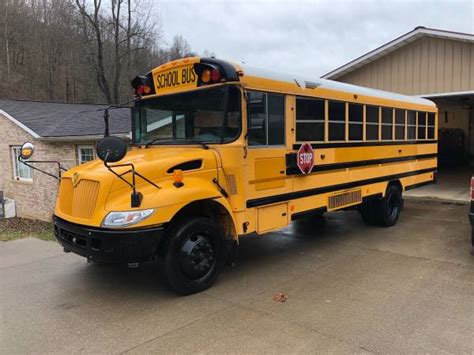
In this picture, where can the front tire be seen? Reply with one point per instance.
(194, 255)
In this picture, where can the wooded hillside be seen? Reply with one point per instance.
(80, 50)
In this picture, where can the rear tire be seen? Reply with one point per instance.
(385, 211)
(194, 255)
(368, 212)
(390, 206)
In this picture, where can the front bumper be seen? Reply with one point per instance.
(108, 245)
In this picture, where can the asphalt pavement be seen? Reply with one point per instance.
(350, 288)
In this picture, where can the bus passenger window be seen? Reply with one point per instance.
(421, 125)
(356, 113)
(411, 125)
(400, 124)
(337, 120)
(257, 127)
(266, 119)
(431, 125)
(309, 120)
(372, 123)
(276, 119)
(387, 123)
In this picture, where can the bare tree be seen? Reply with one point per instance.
(94, 40)
(179, 49)
(126, 35)
(79, 50)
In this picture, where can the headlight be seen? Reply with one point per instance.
(126, 218)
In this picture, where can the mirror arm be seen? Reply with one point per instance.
(133, 171)
(29, 162)
(106, 114)
(106, 122)
(136, 198)
(147, 180)
(120, 176)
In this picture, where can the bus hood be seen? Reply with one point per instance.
(88, 189)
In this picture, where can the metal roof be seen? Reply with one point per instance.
(316, 83)
(393, 45)
(52, 120)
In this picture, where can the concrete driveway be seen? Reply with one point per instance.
(350, 287)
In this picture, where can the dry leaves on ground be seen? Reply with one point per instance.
(279, 297)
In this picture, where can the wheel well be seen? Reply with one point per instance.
(396, 183)
(209, 209)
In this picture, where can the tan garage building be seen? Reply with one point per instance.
(434, 64)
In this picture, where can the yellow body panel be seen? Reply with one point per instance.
(262, 196)
(269, 173)
(272, 217)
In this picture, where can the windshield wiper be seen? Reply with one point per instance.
(172, 140)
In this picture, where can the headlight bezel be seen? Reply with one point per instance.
(140, 215)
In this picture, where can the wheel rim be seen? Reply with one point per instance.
(197, 256)
(393, 206)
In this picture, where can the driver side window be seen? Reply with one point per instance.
(266, 119)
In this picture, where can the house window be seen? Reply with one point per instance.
(20, 170)
(85, 153)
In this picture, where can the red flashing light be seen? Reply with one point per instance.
(215, 75)
(142, 90)
(139, 90)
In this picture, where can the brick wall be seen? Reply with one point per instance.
(34, 199)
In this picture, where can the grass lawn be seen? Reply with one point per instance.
(16, 228)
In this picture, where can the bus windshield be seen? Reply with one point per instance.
(207, 116)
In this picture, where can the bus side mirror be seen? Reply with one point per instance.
(111, 149)
(27, 150)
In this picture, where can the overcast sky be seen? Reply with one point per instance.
(303, 36)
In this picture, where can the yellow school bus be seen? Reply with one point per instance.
(222, 150)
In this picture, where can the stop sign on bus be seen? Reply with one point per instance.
(305, 158)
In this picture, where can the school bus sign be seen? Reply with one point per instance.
(305, 158)
(175, 79)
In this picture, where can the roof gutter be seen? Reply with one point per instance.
(82, 138)
(21, 125)
(394, 44)
(446, 94)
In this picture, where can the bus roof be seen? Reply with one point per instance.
(303, 82)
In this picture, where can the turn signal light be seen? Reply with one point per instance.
(178, 177)
(206, 76)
